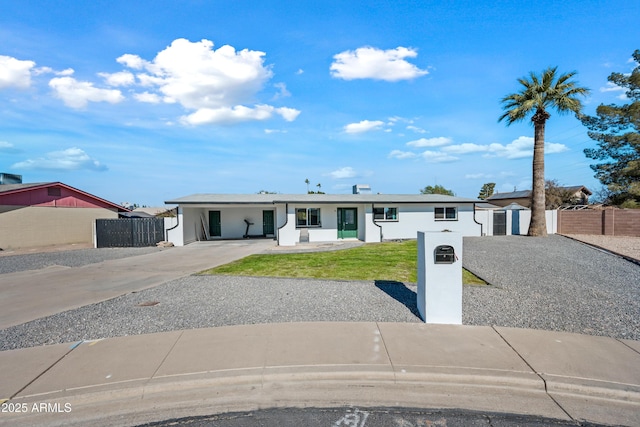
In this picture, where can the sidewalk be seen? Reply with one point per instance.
(138, 379)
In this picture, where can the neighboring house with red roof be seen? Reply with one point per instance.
(49, 213)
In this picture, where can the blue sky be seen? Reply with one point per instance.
(146, 101)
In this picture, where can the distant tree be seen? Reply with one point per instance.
(306, 181)
(538, 93)
(319, 187)
(437, 189)
(487, 190)
(557, 195)
(617, 130)
(267, 192)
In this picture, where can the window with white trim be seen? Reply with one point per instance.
(449, 213)
(308, 217)
(385, 214)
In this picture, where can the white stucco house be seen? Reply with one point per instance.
(295, 218)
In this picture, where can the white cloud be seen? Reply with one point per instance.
(343, 173)
(270, 131)
(122, 78)
(7, 147)
(132, 61)
(478, 175)
(200, 77)
(373, 63)
(430, 142)
(466, 148)
(43, 70)
(517, 149)
(363, 126)
(397, 154)
(77, 94)
(282, 91)
(237, 114)
(521, 148)
(48, 70)
(289, 114)
(65, 72)
(150, 98)
(216, 84)
(611, 87)
(416, 129)
(65, 160)
(15, 72)
(437, 157)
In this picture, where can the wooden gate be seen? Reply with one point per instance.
(129, 232)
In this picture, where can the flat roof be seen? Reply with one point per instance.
(222, 199)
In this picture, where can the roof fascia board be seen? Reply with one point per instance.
(38, 186)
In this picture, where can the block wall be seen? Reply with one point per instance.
(610, 222)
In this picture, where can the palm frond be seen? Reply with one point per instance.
(540, 92)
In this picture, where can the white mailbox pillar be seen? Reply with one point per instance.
(440, 277)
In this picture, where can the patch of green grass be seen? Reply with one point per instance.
(393, 261)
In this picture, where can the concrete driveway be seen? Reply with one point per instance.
(29, 295)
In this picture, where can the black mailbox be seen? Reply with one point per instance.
(444, 254)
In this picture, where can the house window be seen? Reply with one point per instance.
(308, 217)
(446, 214)
(385, 214)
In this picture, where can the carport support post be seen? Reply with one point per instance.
(440, 283)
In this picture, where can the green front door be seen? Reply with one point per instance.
(215, 230)
(268, 227)
(347, 223)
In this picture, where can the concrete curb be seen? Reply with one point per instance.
(245, 368)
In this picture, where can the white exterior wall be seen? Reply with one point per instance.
(551, 217)
(412, 218)
(328, 232)
(286, 226)
(175, 236)
(232, 223)
(486, 218)
(373, 232)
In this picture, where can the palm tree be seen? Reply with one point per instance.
(538, 93)
(306, 181)
(318, 185)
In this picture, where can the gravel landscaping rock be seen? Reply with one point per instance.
(552, 283)
(627, 246)
(207, 301)
(73, 258)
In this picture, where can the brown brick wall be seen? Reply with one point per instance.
(618, 222)
(627, 222)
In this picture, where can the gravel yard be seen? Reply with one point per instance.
(624, 245)
(554, 283)
(72, 258)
